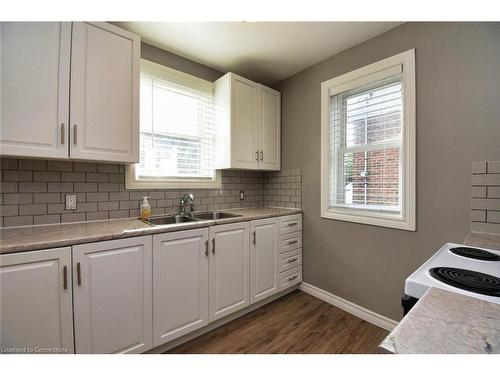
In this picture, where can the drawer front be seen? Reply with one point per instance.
(290, 242)
(290, 259)
(291, 277)
(290, 223)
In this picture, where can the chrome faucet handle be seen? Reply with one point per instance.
(187, 199)
(187, 196)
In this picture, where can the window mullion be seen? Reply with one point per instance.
(371, 147)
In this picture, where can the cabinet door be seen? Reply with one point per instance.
(263, 259)
(104, 93)
(34, 88)
(228, 269)
(113, 296)
(269, 128)
(244, 123)
(180, 284)
(35, 301)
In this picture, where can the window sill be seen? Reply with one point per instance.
(132, 183)
(380, 219)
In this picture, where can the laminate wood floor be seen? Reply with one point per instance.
(296, 323)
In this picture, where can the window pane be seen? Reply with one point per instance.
(365, 141)
(370, 179)
(177, 131)
(174, 112)
(373, 116)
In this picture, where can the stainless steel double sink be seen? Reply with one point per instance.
(196, 216)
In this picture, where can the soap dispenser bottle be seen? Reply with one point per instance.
(145, 208)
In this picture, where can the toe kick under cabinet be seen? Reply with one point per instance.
(130, 295)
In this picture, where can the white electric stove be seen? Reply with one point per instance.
(467, 270)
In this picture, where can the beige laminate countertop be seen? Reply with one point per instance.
(447, 322)
(444, 322)
(13, 240)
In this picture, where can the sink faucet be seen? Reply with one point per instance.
(186, 205)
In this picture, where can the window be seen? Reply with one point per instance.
(176, 131)
(368, 144)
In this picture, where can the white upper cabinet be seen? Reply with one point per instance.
(96, 117)
(35, 300)
(112, 289)
(248, 124)
(104, 110)
(270, 128)
(34, 88)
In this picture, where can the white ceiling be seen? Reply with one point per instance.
(267, 52)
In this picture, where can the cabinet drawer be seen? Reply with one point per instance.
(290, 223)
(290, 277)
(289, 260)
(290, 242)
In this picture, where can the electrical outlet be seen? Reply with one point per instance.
(71, 201)
(242, 195)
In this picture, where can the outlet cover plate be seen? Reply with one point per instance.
(70, 201)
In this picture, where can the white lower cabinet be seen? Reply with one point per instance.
(35, 301)
(290, 278)
(228, 269)
(180, 283)
(263, 259)
(128, 295)
(113, 296)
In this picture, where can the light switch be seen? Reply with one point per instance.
(71, 201)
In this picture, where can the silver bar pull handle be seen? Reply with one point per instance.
(213, 245)
(254, 238)
(292, 242)
(65, 277)
(206, 248)
(74, 134)
(292, 260)
(78, 274)
(62, 133)
(291, 224)
(292, 277)
(257, 155)
(262, 155)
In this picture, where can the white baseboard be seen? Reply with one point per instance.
(356, 310)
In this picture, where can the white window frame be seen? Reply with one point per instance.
(182, 79)
(406, 218)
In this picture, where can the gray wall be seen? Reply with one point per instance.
(174, 61)
(458, 122)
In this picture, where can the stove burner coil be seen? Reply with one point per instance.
(472, 281)
(473, 253)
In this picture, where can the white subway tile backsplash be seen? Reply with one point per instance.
(478, 191)
(493, 167)
(485, 202)
(493, 192)
(479, 167)
(34, 192)
(478, 215)
(486, 179)
(493, 217)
